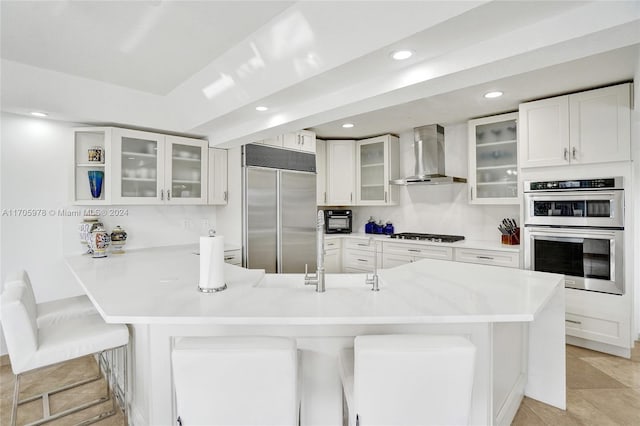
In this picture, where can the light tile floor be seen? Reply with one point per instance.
(601, 390)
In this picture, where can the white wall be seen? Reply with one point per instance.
(635, 147)
(439, 209)
(36, 173)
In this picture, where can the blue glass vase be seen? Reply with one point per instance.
(95, 182)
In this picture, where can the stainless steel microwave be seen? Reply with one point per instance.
(338, 221)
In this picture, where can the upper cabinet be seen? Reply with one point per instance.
(150, 168)
(341, 172)
(218, 192)
(139, 167)
(321, 172)
(580, 128)
(377, 161)
(493, 160)
(354, 172)
(92, 165)
(302, 140)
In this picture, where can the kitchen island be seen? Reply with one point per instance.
(514, 317)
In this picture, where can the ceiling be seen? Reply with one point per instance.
(201, 67)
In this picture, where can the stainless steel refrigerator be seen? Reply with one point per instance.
(279, 209)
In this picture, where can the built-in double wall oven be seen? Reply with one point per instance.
(576, 228)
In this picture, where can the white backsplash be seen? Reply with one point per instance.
(439, 209)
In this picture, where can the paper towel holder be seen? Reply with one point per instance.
(212, 233)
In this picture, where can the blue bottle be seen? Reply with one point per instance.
(388, 228)
(378, 228)
(368, 227)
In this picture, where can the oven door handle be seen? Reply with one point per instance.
(560, 239)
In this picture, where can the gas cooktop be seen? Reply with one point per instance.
(436, 238)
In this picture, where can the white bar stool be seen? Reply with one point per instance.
(48, 313)
(236, 381)
(31, 347)
(408, 380)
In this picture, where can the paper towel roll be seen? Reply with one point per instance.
(211, 263)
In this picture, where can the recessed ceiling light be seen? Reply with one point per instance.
(39, 114)
(400, 55)
(261, 108)
(491, 95)
(348, 125)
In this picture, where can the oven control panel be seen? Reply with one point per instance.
(561, 185)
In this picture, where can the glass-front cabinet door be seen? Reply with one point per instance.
(138, 167)
(186, 171)
(493, 160)
(376, 158)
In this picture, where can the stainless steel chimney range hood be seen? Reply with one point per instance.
(429, 157)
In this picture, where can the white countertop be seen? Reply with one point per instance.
(160, 286)
(470, 244)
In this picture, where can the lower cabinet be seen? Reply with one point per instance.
(333, 256)
(395, 254)
(359, 255)
(488, 257)
(598, 317)
(233, 257)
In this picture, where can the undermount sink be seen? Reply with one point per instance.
(297, 281)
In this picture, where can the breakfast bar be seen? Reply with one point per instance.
(515, 318)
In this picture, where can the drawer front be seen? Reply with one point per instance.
(392, 260)
(360, 260)
(610, 331)
(488, 257)
(332, 244)
(419, 251)
(360, 244)
(233, 257)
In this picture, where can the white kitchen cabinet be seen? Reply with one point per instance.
(377, 161)
(217, 185)
(233, 257)
(341, 172)
(493, 160)
(321, 172)
(358, 255)
(333, 256)
(581, 128)
(85, 139)
(395, 254)
(302, 140)
(487, 257)
(150, 168)
(598, 317)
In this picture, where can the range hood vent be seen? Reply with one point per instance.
(429, 157)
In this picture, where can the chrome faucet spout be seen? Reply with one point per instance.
(317, 279)
(373, 279)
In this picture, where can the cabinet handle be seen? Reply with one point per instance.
(485, 257)
(351, 197)
(566, 154)
(331, 244)
(162, 194)
(325, 198)
(362, 260)
(225, 196)
(363, 245)
(572, 321)
(229, 257)
(414, 250)
(471, 192)
(168, 195)
(573, 153)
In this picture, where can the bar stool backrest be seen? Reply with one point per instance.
(19, 323)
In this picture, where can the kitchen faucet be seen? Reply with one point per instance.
(317, 279)
(373, 280)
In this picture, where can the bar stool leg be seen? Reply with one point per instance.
(14, 409)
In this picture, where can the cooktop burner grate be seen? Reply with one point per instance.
(438, 238)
